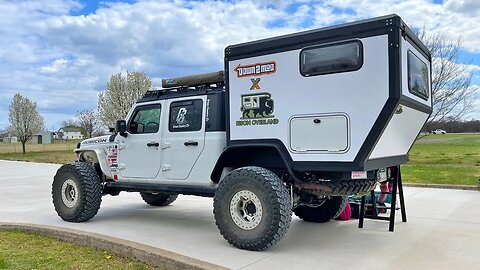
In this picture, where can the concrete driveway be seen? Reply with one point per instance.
(443, 231)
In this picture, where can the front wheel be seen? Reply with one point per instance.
(76, 192)
(252, 208)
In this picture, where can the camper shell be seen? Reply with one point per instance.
(347, 98)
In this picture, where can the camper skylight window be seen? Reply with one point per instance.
(332, 58)
(417, 76)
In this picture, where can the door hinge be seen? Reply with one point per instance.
(121, 167)
(165, 145)
(165, 167)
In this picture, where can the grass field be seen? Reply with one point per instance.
(452, 159)
(57, 146)
(444, 159)
(20, 250)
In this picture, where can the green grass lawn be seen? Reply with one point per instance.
(59, 157)
(20, 250)
(444, 159)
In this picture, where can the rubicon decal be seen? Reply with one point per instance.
(257, 69)
(95, 141)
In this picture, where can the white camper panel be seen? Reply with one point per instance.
(359, 95)
(402, 129)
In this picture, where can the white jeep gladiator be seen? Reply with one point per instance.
(293, 123)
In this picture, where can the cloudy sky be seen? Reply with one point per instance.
(61, 53)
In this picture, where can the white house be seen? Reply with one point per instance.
(69, 133)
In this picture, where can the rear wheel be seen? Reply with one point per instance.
(76, 192)
(252, 208)
(158, 199)
(329, 210)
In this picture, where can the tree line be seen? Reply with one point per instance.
(453, 126)
(453, 96)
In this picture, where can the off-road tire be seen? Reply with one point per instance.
(158, 199)
(350, 187)
(275, 204)
(88, 192)
(329, 210)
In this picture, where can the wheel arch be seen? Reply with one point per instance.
(265, 155)
(98, 157)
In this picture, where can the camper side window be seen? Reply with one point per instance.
(332, 58)
(417, 76)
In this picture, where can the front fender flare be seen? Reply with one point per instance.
(101, 158)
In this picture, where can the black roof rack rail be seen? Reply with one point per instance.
(181, 91)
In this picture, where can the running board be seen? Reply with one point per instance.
(176, 189)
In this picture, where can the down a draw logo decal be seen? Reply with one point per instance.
(257, 109)
(257, 69)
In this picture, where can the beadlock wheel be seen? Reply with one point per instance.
(246, 209)
(69, 193)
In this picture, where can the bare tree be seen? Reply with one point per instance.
(88, 120)
(122, 92)
(69, 123)
(24, 119)
(452, 89)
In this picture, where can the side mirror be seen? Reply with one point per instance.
(121, 128)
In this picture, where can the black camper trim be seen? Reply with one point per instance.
(304, 166)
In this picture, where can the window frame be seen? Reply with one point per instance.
(143, 107)
(418, 94)
(359, 66)
(172, 105)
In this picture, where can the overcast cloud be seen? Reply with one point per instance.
(61, 53)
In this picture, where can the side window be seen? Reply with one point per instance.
(332, 58)
(186, 116)
(417, 76)
(146, 119)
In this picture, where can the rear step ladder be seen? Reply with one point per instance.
(397, 187)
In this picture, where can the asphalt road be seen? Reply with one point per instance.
(443, 230)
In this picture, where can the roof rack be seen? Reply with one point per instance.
(195, 80)
(187, 86)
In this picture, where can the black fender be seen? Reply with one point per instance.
(269, 154)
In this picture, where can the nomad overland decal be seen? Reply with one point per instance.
(257, 69)
(257, 109)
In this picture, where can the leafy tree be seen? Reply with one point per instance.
(122, 92)
(88, 121)
(24, 119)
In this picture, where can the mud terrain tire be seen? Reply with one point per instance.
(77, 192)
(252, 208)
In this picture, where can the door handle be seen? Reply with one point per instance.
(192, 143)
(153, 144)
